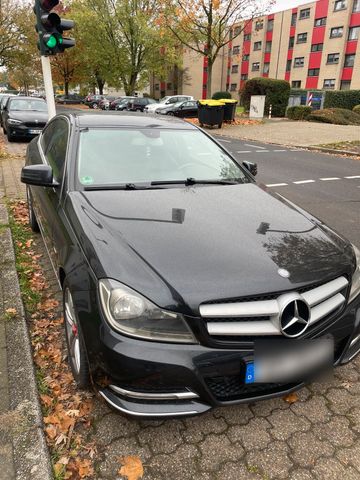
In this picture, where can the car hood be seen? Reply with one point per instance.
(151, 107)
(29, 116)
(181, 247)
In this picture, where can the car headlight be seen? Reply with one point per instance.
(130, 313)
(355, 283)
(11, 121)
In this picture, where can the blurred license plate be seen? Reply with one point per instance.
(280, 361)
(35, 132)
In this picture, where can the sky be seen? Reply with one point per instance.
(285, 4)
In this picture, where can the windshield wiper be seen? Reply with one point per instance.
(123, 186)
(194, 181)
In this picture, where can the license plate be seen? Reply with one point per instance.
(35, 132)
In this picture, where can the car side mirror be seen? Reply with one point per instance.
(40, 175)
(251, 167)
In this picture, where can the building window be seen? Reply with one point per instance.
(235, 69)
(333, 58)
(236, 50)
(354, 33)
(268, 46)
(293, 19)
(304, 13)
(313, 72)
(291, 42)
(270, 25)
(349, 60)
(288, 65)
(320, 22)
(237, 31)
(302, 38)
(317, 47)
(356, 7)
(329, 83)
(246, 58)
(336, 32)
(299, 62)
(244, 76)
(247, 37)
(339, 5)
(257, 46)
(296, 84)
(233, 87)
(345, 84)
(169, 86)
(266, 67)
(256, 66)
(259, 25)
(157, 87)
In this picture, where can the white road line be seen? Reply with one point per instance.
(226, 141)
(244, 151)
(262, 151)
(353, 176)
(329, 179)
(279, 150)
(299, 182)
(277, 185)
(253, 146)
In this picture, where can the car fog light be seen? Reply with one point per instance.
(355, 283)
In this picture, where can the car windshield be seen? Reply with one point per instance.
(163, 100)
(139, 156)
(33, 105)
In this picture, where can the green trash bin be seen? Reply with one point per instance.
(211, 112)
(229, 108)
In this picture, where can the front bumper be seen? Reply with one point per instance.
(153, 380)
(24, 130)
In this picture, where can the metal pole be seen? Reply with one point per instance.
(49, 91)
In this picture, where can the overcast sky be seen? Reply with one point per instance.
(285, 4)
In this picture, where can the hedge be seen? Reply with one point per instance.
(277, 94)
(218, 95)
(356, 109)
(299, 112)
(342, 99)
(338, 116)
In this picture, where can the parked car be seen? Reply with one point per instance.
(3, 101)
(187, 109)
(24, 117)
(71, 99)
(115, 102)
(104, 104)
(179, 272)
(121, 106)
(92, 101)
(138, 104)
(166, 101)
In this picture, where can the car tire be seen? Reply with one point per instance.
(171, 114)
(32, 217)
(77, 356)
(95, 106)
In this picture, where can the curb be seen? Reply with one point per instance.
(333, 151)
(30, 454)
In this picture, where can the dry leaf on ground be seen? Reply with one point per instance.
(132, 467)
(291, 398)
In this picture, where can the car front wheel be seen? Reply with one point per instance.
(32, 217)
(74, 340)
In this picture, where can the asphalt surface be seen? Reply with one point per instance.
(328, 186)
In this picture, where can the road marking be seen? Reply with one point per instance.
(353, 176)
(262, 151)
(329, 179)
(279, 150)
(299, 182)
(244, 151)
(226, 141)
(277, 185)
(254, 146)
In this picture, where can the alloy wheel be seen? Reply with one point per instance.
(72, 331)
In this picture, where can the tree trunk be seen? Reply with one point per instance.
(100, 83)
(209, 79)
(66, 83)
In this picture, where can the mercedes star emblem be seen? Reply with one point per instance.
(295, 318)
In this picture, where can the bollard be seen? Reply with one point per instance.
(270, 111)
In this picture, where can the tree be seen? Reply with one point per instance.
(206, 26)
(11, 31)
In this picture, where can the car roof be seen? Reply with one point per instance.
(24, 97)
(118, 119)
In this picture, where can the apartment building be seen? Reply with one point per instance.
(314, 46)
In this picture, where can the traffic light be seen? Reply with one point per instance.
(50, 28)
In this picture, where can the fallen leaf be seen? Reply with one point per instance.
(291, 398)
(85, 468)
(11, 312)
(132, 467)
(51, 431)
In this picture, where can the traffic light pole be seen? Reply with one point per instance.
(49, 90)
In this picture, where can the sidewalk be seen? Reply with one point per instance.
(298, 134)
(23, 451)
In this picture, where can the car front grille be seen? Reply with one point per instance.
(260, 316)
(35, 125)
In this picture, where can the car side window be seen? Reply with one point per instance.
(46, 136)
(57, 147)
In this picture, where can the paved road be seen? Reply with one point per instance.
(327, 186)
(316, 438)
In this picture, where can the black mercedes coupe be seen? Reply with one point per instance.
(185, 283)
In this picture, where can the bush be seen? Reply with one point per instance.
(300, 112)
(356, 109)
(218, 95)
(337, 116)
(277, 94)
(342, 99)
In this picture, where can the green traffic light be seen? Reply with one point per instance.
(52, 42)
